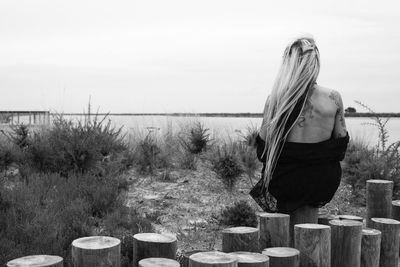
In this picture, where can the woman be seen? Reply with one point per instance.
(303, 136)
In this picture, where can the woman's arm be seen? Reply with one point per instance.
(339, 129)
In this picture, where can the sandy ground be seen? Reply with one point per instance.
(186, 204)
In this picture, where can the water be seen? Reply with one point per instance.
(221, 127)
(235, 127)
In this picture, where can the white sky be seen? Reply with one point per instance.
(189, 56)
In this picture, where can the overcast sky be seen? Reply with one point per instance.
(189, 56)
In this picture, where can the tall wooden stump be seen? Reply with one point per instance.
(396, 210)
(370, 247)
(151, 245)
(251, 259)
(213, 258)
(274, 230)
(379, 199)
(283, 257)
(314, 243)
(303, 215)
(37, 261)
(96, 251)
(186, 255)
(350, 217)
(325, 218)
(346, 243)
(240, 239)
(390, 230)
(158, 262)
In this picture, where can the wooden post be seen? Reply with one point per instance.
(325, 218)
(314, 243)
(37, 260)
(251, 259)
(379, 199)
(274, 230)
(370, 247)
(240, 239)
(213, 258)
(306, 214)
(351, 217)
(283, 257)
(150, 245)
(95, 251)
(158, 262)
(30, 119)
(396, 210)
(346, 243)
(390, 230)
(186, 255)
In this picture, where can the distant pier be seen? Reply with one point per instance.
(25, 117)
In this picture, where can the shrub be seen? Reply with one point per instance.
(239, 214)
(196, 139)
(6, 157)
(148, 154)
(19, 135)
(40, 218)
(188, 161)
(380, 162)
(248, 158)
(226, 164)
(249, 137)
(75, 147)
(48, 211)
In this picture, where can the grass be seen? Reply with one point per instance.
(70, 183)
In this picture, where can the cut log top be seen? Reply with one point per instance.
(375, 181)
(158, 262)
(213, 257)
(396, 202)
(240, 230)
(155, 238)
(311, 226)
(350, 217)
(250, 257)
(385, 221)
(369, 231)
(272, 215)
(35, 260)
(96, 242)
(281, 252)
(345, 223)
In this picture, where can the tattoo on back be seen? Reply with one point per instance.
(336, 99)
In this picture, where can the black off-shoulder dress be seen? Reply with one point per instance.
(305, 174)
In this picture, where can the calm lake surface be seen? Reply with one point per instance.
(233, 127)
(221, 127)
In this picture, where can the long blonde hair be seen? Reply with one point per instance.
(297, 75)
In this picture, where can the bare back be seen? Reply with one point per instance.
(321, 119)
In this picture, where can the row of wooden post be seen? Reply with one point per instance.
(33, 118)
(322, 241)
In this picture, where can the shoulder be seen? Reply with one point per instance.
(331, 94)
